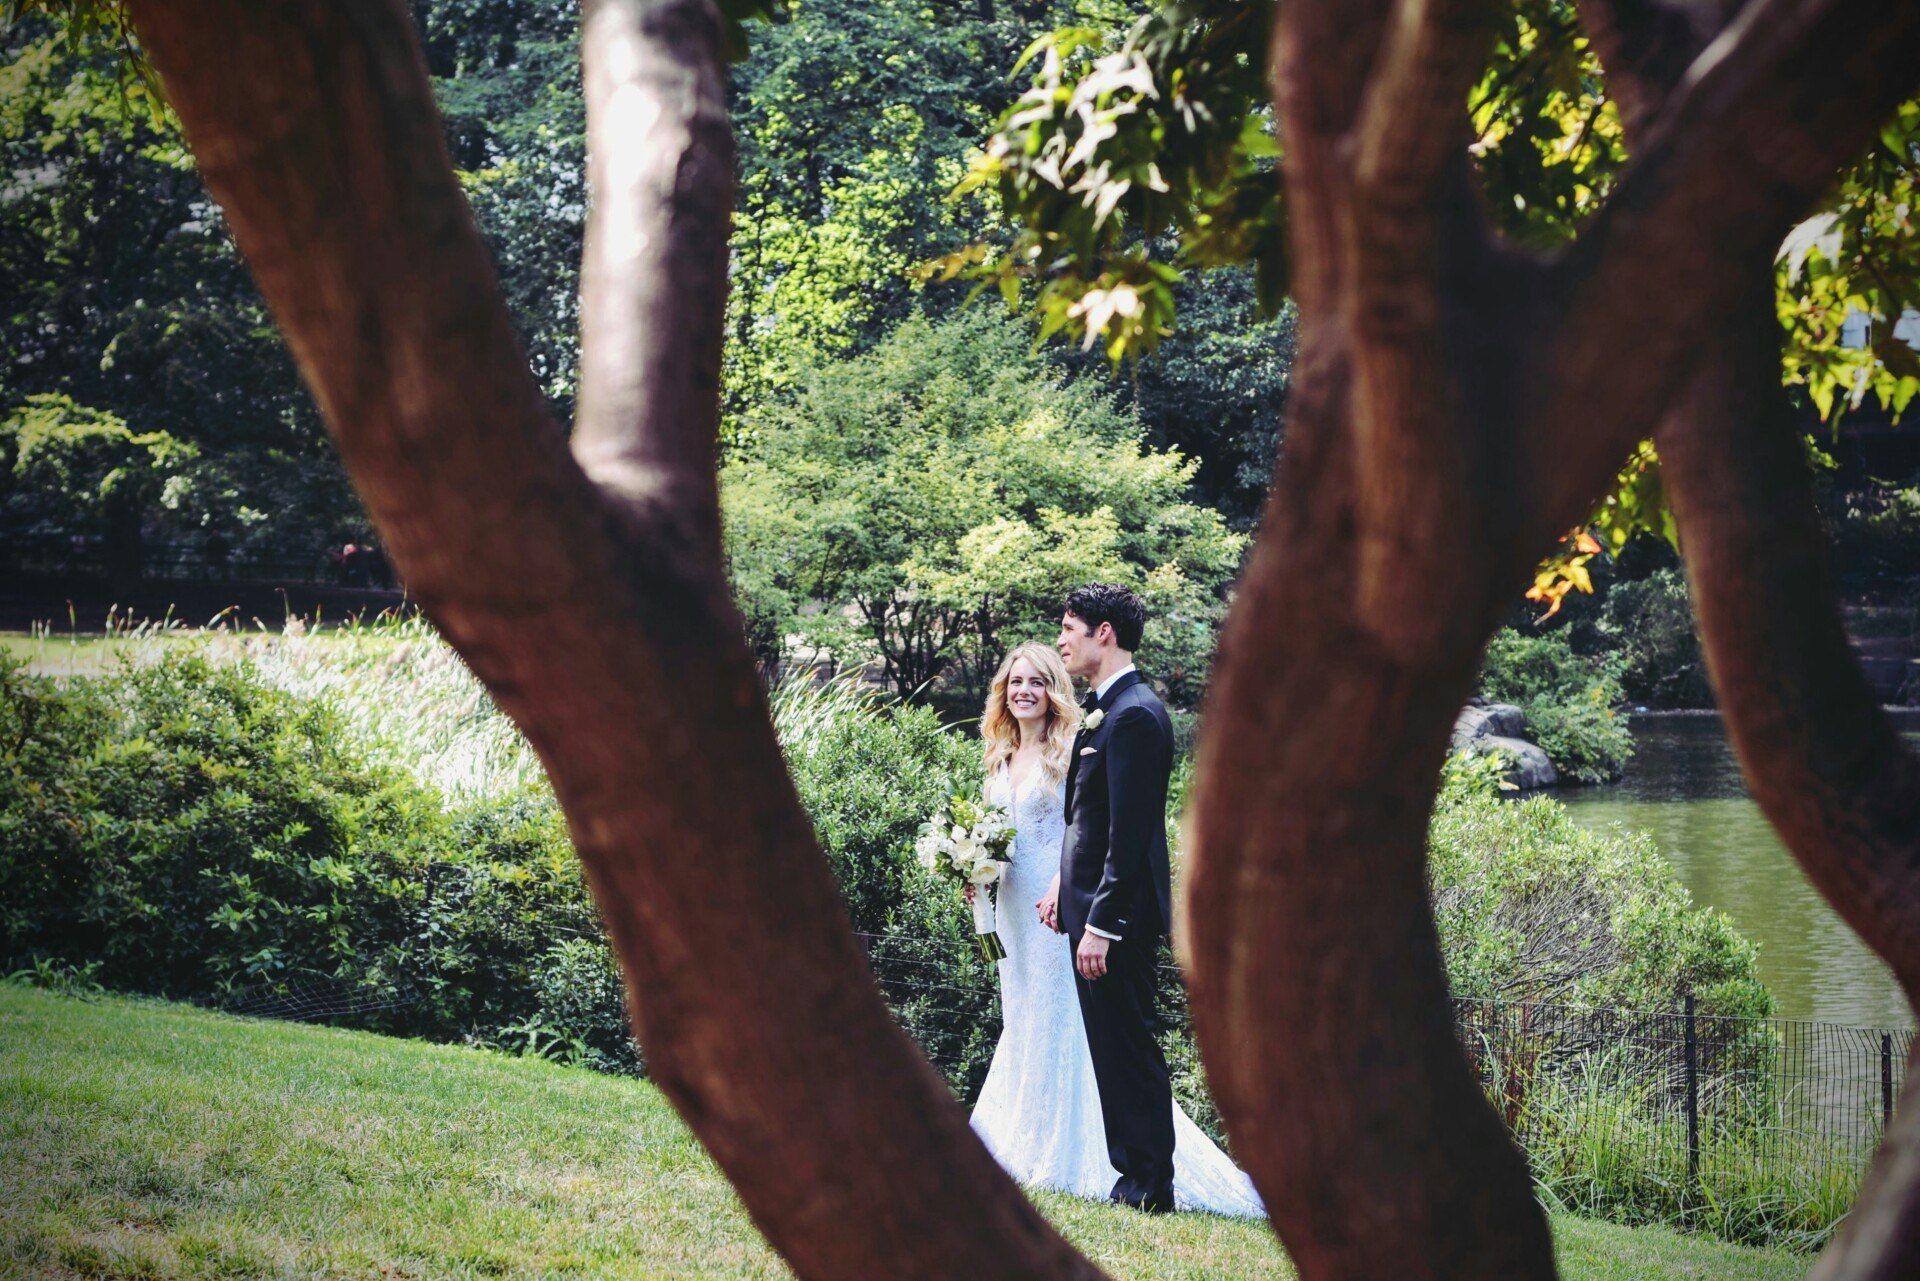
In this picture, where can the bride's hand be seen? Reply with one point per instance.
(1049, 905)
(966, 894)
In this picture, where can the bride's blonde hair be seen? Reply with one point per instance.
(1002, 732)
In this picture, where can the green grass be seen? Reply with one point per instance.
(63, 654)
(143, 1140)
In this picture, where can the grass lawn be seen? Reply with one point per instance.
(142, 1140)
(63, 654)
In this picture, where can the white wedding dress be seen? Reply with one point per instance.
(1039, 1111)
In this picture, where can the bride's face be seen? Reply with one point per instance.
(1027, 696)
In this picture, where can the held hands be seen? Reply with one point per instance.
(1091, 959)
(1049, 906)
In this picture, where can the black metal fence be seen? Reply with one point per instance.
(1761, 1125)
(204, 560)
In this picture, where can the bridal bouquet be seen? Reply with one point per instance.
(970, 842)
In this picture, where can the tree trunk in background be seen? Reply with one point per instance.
(1824, 762)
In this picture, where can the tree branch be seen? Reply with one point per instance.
(1826, 765)
(1321, 54)
(1647, 46)
(654, 276)
(1386, 219)
(594, 609)
(1762, 123)
(1413, 114)
(1318, 992)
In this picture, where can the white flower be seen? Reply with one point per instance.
(1093, 720)
(985, 872)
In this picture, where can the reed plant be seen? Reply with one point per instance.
(1610, 1141)
(406, 695)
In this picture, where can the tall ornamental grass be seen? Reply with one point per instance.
(1610, 1142)
(410, 700)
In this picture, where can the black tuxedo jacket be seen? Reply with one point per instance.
(1114, 872)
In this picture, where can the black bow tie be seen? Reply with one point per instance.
(1090, 703)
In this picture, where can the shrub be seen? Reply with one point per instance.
(581, 1005)
(1533, 907)
(195, 832)
(186, 829)
(937, 496)
(869, 771)
(1568, 700)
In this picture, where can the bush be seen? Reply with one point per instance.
(1568, 700)
(928, 504)
(1649, 624)
(196, 833)
(185, 829)
(1533, 907)
(869, 771)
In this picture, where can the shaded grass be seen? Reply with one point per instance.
(142, 1140)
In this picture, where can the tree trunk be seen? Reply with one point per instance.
(588, 594)
(1828, 768)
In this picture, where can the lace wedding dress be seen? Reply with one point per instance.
(1039, 1111)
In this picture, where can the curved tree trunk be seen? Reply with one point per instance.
(589, 595)
(1822, 759)
(1317, 984)
(1455, 408)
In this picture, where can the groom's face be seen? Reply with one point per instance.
(1079, 647)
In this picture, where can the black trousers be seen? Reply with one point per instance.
(1136, 1098)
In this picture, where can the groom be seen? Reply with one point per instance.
(1115, 893)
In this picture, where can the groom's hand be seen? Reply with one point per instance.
(1049, 906)
(1091, 959)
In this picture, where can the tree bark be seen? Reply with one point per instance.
(1456, 407)
(588, 595)
(1820, 755)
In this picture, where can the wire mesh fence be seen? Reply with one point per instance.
(1759, 1128)
(312, 999)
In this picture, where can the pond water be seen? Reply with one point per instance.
(1684, 786)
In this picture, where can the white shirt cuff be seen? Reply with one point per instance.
(1111, 938)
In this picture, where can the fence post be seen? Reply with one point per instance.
(1886, 1081)
(1693, 1097)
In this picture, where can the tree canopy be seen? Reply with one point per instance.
(951, 486)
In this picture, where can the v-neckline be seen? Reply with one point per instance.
(1015, 781)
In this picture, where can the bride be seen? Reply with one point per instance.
(1039, 1111)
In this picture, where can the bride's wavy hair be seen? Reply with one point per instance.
(1001, 731)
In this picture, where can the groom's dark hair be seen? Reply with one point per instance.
(1098, 603)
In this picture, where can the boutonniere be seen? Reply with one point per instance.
(1093, 720)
